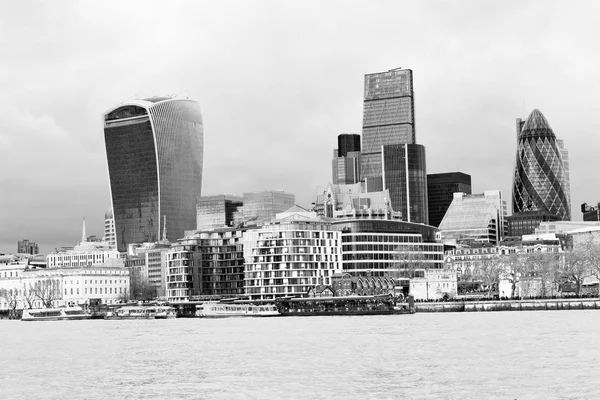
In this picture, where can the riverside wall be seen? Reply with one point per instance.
(510, 305)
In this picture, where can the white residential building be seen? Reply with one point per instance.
(289, 255)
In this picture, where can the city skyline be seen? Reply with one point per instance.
(275, 96)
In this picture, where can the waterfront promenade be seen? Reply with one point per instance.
(510, 305)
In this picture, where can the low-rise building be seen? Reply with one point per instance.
(37, 288)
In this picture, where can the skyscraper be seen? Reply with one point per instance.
(154, 150)
(539, 178)
(26, 247)
(405, 176)
(440, 192)
(345, 165)
(388, 118)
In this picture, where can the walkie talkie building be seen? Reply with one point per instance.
(538, 183)
(154, 150)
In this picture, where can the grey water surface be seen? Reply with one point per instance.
(491, 355)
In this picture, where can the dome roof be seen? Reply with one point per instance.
(536, 125)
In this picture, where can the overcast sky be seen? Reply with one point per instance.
(277, 82)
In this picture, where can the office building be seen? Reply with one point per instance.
(263, 206)
(526, 222)
(539, 177)
(345, 165)
(388, 118)
(564, 153)
(590, 213)
(154, 150)
(219, 211)
(405, 177)
(475, 218)
(440, 192)
(26, 247)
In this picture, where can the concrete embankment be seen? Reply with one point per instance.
(510, 305)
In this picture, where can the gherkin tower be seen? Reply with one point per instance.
(538, 183)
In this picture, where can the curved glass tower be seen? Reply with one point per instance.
(154, 150)
(538, 183)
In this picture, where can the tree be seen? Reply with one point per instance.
(47, 291)
(489, 273)
(514, 268)
(11, 296)
(409, 259)
(28, 296)
(139, 287)
(579, 264)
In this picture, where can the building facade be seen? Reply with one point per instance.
(219, 211)
(263, 206)
(440, 192)
(539, 177)
(388, 118)
(526, 222)
(346, 160)
(109, 229)
(290, 255)
(590, 213)
(405, 176)
(475, 218)
(63, 286)
(379, 247)
(154, 150)
(26, 247)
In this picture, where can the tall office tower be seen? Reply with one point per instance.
(263, 206)
(388, 118)
(405, 177)
(346, 160)
(538, 183)
(218, 211)
(154, 149)
(440, 192)
(26, 247)
(475, 218)
(109, 228)
(564, 153)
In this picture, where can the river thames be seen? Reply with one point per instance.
(490, 355)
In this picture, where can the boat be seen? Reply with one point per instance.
(216, 309)
(55, 314)
(345, 305)
(163, 312)
(132, 312)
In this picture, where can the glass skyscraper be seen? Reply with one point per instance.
(154, 150)
(440, 193)
(405, 176)
(388, 118)
(539, 177)
(345, 166)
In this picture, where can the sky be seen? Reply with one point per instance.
(277, 81)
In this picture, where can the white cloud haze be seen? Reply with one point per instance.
(277, 82)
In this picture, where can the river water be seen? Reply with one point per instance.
(491, 355)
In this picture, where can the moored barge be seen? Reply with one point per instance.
(347, 305)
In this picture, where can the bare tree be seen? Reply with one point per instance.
(28, 295)
(11, 296)
(579, 264)
(408, 259)
(515, 267)
(489, 273)
(47, 291)
(139, 287)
